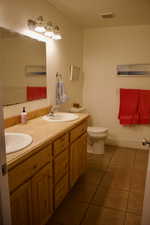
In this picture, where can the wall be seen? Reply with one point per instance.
(103, 49)
(60, 54)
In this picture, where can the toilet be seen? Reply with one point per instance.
(96, 139)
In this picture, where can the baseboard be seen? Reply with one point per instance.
(125, 143)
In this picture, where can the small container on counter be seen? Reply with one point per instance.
(24, 116)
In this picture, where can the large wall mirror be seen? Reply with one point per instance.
(22, 68)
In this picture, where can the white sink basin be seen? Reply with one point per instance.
(61, 117)
(16, 141)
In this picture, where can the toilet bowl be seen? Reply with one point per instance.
(96, 139)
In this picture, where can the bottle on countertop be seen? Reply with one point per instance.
(24, 116)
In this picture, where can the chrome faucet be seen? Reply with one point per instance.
(53, 110)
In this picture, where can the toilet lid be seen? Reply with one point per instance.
(97, 129)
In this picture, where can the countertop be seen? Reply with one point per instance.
(43, 133)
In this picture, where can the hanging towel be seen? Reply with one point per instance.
(144, 107)
(61, 97)
(129, 103)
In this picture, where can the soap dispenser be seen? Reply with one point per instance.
(24, 116)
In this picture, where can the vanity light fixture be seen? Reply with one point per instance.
(45, 29)
(40, 27)
(49, 30)
(57, 35)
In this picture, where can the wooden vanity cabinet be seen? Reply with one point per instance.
(39, 184)
(32, 200)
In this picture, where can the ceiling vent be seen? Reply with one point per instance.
(106, 15)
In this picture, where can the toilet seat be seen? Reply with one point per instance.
(97, 131)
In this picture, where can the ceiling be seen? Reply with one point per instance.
(86, 12)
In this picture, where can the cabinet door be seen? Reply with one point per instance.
(83, 154)
(21, 205)
(74, 162)
(42, 204)
(78, 158)
(61, 190)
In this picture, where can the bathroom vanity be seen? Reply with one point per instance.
(41, 175)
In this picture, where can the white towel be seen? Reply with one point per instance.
(61, 97)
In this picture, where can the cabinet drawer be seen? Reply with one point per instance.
(78, 131)
(60, 144)
(29, 167)
(61, 191)
(40, 159)
(60, 166)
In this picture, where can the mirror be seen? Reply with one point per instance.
(23, 68)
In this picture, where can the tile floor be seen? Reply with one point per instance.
(110, 193)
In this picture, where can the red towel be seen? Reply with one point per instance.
(144, 107)
(34, 93)
(129, 104)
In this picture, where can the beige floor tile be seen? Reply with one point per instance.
(107, 179)
(140, 166)
(103, 216)
(125, 151)
(132, 219)
(123, 159)
(117, 178)
(70, 212)
(82, 192)
(124, 163)
(141, 161)
(135, 202)
(100, 163)
(111, 198)
(92, 176)
(109, 151)
(138, 180)
(142, 155)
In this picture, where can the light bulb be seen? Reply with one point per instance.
(49, 33)
(57, 37)
(40, 29)
(37, 36)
